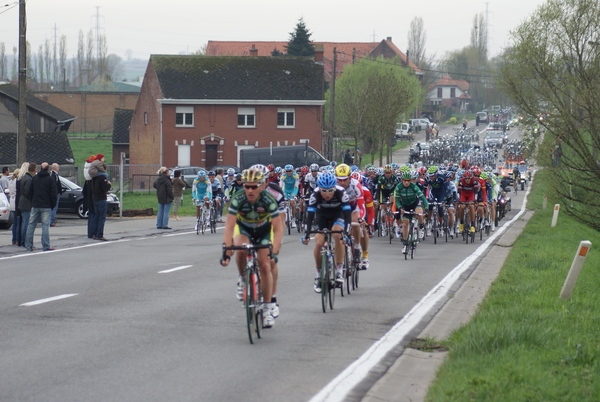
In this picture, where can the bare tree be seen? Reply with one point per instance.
(80, 58)
(62, 61)
(128, 54)
(416, 41)
(114, 67)
(479, 37)
(40, 67)
(14, 76)
(102, 63)
(3, 66)
(89, 58)
(48, 62)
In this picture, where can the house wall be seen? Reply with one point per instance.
(94, 110)
(217, 125)
(144, 135)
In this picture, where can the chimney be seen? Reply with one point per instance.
(389, 38)
(254, 51)
(319, 50)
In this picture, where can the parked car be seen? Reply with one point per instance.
(71, 200)
(5, 215)
(225, 167)
(189, 173)
(402, 130)
(420, 123)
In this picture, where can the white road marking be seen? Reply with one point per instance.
(167, 271)
(49, 299)
(339, 387)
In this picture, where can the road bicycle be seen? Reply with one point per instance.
(351, 264)
(434, 226)
(213, 217)
(203, 219)
(289, 215)
(466, 233)
(300, 202)
(328, 271)
(413, 235)
(252, 296)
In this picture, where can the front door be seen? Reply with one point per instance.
(211, 155)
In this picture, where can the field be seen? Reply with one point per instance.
(82, 149)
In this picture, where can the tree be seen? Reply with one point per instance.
(80, 58)
(62, 62)
(552, 70)
(416, 41)
(14, 71)
(370, 97)
(276, 52)
(300, 43)
(3, 66)
(479, 38)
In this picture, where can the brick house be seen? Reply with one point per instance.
(451, 93)
(120, 134)
(202, 110)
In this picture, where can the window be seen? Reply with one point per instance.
(184, 116)
(286, 117)
(453, 92)
(246, 117)
(145, 117)
(440, 92)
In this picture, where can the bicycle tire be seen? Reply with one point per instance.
(249, 305)
(434, 225)
(389, 217)
(445, 228)
(332, 283)
(198, 226)
(258, 311)
(355, 275)
(382, 230)
(324, 281)
(414, 243)
(348, 268)
(213, 220)
(298, 217)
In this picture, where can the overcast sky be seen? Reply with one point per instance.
(175, 26)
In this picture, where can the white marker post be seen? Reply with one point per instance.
(555, 216)
(578, 261)
(544, 202)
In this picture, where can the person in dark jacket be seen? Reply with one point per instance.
(59, 189)
(42, 192)
(24, 201)
(164, 193)
(100, 187)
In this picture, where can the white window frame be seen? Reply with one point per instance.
(184, 152)
(246, 111)
(187, 111)
(285, 111)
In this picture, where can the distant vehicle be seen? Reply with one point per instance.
(402, 130)
(481, 117)
(5, 215)
(494, 139)
(71, 200)
(225, 167)
(189, 173)
(427, 116)
(296, 155)
(420, 123)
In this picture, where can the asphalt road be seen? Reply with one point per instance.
(126, 331)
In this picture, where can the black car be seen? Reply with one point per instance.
(71, 200)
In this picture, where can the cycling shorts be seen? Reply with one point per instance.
(467, 197)
(408, 209)
(440, 209)
(328, 221)
(256, 237)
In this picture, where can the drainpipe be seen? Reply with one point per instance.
(160, 144)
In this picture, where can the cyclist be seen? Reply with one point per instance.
(467, 188)
(229, 182)
(366, 219)
(233, 188)
(272, 177)
(201, 192)
(407, 196)
(252, 218)
(451, 198)
(310, 180)
(289, 184)
(481, 194)
(217, 191)
(385, 187)
(330, 206)
(355, 195)
(438, 189)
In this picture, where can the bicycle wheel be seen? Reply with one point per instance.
(355, 274)
(258, 311)
(332, 282)
(203, 222)
(213, 220)
(445, 228)
(348, 268)
(198, 225)
(381, 224)
(299, 218)
(288, 219)
(250, 304)
(434, 225)
(324, 281)
(389, 218)
(413, 244)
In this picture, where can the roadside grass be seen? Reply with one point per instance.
(82, 149)
(145, 200)
(525, 343)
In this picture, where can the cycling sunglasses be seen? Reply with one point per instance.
(249, 187)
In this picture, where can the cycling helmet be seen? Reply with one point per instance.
(432, 170)
(253, 176)
(356, 175)
(405, 168)
(314, 167)
(353, 168)
(415, 174)
(278, 170)
(342, 170)
(304, 169)
(238, 176)
(271, 167)
(201, 173)
(422, 170)
(406, 175)
(326, 180)
(388, 168)
(449, 175)
(262, 168)
(484, 175)
(476, 171)
(212, 173)
(230, 172)
(333, 163)
(467, 174)
(371, 169)
(289, 168)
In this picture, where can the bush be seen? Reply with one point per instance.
(452, 120)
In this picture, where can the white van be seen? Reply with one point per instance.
(401, 130)
(420, 123)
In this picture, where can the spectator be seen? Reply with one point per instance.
(16, 226)
(24, 201)
(42, 192)
(5, 181)
(86, 167)
(348, 158)
(100, 186)
(98, 167)
(178, 187)
(164, 193)
(59, 190)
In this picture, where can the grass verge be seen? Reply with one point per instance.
(144, 200)
(525, 343)
(82, 149)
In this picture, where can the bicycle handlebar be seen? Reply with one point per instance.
(247, 247)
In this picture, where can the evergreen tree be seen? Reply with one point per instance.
(300, 44)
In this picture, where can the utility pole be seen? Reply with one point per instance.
(331, 109)
(55, 78)
(22, 131)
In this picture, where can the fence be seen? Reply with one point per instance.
(135, 177)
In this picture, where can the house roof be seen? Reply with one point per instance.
(229, 77)
(37, 104)
(386, 47)
(113, 86)
(41, 147)
(121, 123)
(447, 81)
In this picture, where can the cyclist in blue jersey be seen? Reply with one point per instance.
(437, 192)
(201, 192)
(217, 190)
(289, 185)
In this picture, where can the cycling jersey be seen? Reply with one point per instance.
(289, 184)
(234, 188)
(354, 193)
(386, 186)
(277, 193)
(366, 210)
(438, 187)
(201, 189)
(254, 218)
(482, 193)
(467, 190)
(408, 196)
(310, 183)
(337, 209)
(217, 190)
